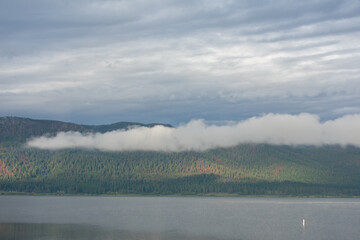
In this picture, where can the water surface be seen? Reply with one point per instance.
(50, 217)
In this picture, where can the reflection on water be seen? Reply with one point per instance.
(42, 231)
(54, 218)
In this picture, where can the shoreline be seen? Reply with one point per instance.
(225, 195)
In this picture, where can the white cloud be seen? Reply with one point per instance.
(278, 129)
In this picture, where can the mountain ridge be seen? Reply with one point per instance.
(19, 129)
(246, 169)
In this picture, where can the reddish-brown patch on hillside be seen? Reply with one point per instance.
(204, 167)
(187, 170)
(4, 171)
(277, 170)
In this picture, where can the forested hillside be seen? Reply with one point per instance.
(15, 130)
(246, 169)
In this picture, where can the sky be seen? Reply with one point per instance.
(98, 62)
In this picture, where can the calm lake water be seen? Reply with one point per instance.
(44, 217)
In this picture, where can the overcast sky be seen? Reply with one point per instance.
(172, 61)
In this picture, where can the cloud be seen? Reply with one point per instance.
(278, 129)
(163, 60)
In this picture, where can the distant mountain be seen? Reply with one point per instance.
(18, 130)
(247, 169)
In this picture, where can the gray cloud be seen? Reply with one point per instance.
(283, 129)
(140, 60)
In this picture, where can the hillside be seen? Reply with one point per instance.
(245, 169)
(15, 130)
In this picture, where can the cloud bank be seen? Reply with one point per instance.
(173, 61)
(277, 129)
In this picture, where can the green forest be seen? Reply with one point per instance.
(249, 169)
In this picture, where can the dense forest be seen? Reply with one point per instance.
(245, 169)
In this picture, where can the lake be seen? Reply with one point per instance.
(69, 217)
